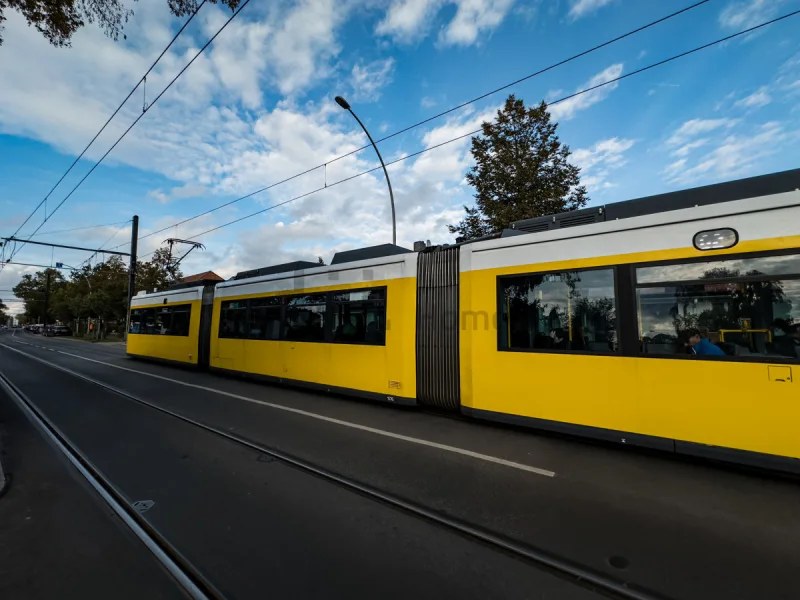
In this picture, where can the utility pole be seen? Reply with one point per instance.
(46, 300)
(132, 271)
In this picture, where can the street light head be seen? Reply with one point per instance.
(342, 102)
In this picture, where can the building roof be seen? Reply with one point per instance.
(206, 276)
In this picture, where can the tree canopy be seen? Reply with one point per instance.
(521, 171)
(58, 20)
(93, 291)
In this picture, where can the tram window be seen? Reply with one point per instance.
(738, 309)
(556, 312)
(305, 318)
(785, 264)
(233, 319)
(265, 318)
(164, 320)
(181, 316)
(136, 321)
(359, 316)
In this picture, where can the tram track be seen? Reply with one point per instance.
(564, 569)
(185, 575)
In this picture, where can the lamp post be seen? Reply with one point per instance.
(346, 105)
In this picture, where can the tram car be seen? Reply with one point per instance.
(671, 322)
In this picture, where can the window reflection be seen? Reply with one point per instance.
(730, 304)
(569, 310)
(788, 264)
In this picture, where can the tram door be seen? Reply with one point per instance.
(206, 311)
(438, 383)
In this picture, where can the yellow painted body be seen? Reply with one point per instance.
(386, 370)
(175, 348)
(737, 405)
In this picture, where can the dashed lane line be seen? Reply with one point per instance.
(305, 413)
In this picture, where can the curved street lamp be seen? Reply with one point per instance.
(346, 105)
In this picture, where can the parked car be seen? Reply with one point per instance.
(61, 330)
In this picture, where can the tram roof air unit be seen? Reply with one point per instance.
(297, 265)
(367, 253)
(751, 187)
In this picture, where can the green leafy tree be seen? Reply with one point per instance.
(3, 315)
(32, 289)
(58, 20)
(158, 273)
(521, 171)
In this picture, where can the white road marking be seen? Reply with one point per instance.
(381, 432)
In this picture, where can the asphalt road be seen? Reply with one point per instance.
(258, 528)
(682, 529)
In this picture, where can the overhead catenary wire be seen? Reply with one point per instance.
(471, 133)
(100, 250)
(114, 114)
(80, 228)
(132, 125)
(434, 117)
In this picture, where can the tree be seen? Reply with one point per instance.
(58, 20)
(158, 273)
(33, 290)
(521, 171)
(3, 315)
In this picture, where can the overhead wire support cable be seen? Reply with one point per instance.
(471, 133)
(143, 79)
(436, 116)
(132, 125)
(81, 228)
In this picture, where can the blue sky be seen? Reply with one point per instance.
(258, 107)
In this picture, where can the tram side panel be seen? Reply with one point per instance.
(382, 371)
(742, 406)
(160, 330)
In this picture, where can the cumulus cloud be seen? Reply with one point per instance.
(409, 21)
(472, 18)
(581, 8)
(599, 160)
(368, 79)
(569, 108)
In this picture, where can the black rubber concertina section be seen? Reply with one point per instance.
(438, 383)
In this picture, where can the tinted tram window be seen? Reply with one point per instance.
(564, 311)
(233, 319)
(136, 321)
(305, 318)
(743, 308)
(359, 316)
(179, 325)
(164, 320)
(265, 318)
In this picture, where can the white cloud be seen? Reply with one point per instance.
(569, 108)
(409, 21)
(734, 155)
(687, 149)
(755, 100)
(189, 190)
(472, 18)
(369, 79)
(597, 161)
(742, 15)
(427, 102)
(581, 8)
(697, 127)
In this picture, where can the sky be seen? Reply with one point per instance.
(257, 107)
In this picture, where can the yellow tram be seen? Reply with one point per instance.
(671, 322)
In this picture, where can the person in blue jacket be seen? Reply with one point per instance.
(702, 346)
